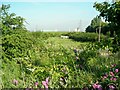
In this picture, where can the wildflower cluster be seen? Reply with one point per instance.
(110, 79)
(36, 84)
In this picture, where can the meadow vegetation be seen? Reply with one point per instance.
(45, 60)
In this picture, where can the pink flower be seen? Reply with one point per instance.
(104, 77)
(45, 83)
(114, 79)
(97, 86)
(47, 80)
(111, 87)
(15, 81)
(116, 70)
(111, 73)
(36, 84)
(111, 78)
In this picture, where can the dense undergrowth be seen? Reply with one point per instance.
(29, 58)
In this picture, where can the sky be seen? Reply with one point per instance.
(54, 15)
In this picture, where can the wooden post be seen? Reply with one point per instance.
(99, 31)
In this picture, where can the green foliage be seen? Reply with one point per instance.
(95, 23)
(90, 29)
(84, 37)
(59, 64)
(98, 60)
(110, 12)
(9, 21)
(111, 76)
(16, 45)
(30, 57)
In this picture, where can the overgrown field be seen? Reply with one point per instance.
(45, 60)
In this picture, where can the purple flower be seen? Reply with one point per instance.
(116, 70)
(15, 82)
(45, 83)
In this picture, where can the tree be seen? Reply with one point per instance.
(9, 21)
(95, 24)
(90, 29)
(111, 13)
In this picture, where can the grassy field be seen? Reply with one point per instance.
(66, 43)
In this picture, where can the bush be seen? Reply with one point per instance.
(84, 37)
(16, 44)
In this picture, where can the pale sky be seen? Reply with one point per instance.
(54, 14)
(53, 0)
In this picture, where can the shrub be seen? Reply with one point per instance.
(84, 37)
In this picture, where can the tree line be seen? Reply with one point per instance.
(110, 22)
